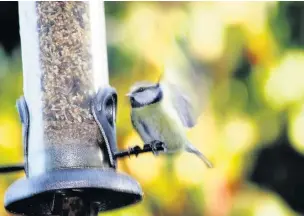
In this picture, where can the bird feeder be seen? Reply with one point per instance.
(68, 114)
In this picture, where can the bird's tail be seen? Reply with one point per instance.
(192, 149)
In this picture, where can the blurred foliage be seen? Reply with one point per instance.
(257, 57)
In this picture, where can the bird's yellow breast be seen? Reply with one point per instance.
(162, 118)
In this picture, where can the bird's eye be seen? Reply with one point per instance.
(140, 89)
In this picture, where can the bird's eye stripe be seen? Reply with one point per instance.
(140, 90)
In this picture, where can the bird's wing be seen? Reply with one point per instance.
(187, 83)
(182, 105)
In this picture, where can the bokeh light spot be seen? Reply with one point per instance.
(285, 81)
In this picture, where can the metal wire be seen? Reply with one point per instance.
(11, 168)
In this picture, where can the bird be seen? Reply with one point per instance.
(162, 110)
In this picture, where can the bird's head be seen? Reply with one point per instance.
(145, 93)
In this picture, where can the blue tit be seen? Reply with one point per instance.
(161, 111)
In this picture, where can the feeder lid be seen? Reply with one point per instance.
(111, 190)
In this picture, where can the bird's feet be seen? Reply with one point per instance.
(155, 146)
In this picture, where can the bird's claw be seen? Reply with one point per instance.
(156, 146)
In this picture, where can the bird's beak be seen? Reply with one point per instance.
(128, 95)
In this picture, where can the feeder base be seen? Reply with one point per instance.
(41, 195)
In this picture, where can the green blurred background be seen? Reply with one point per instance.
(252, 128)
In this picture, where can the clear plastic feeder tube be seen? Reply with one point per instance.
(64, 63)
